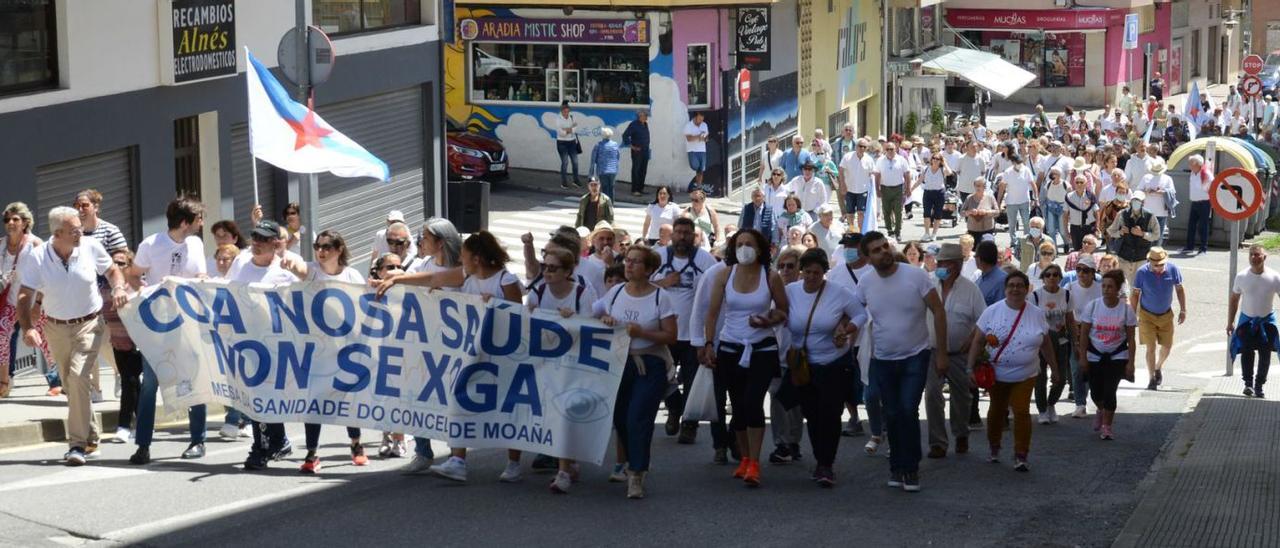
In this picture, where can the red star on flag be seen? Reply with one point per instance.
(309, 133)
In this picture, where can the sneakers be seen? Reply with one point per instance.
(794, 449)
(281, 452)
(853, 429)
(1079, 413)
(1106, 433)
(1043, 418)
(194, 451)
(635, 485)
(995, 456)
(74, 457)
(741, 471)
(561, 483)
(1097, 422)
(872, 446)
(123, 435)
(721, 456)
(1053, 415)
(1257, 392)
(895, 480)
(246, 431)
(141, 456)
(673, 423)
(229, 432)
(419, 465)
(1020, 463)
(512, 473)
(310, 465)
(91, 451)
(911, 482)
(752, 477)
(688, 433)
(399, 447)
(824, 476)
(619, 473)
(384, 448)
(359, 459)
(545, 462)
(257, 460)
(454, 469)
(1248, 391)
(780, 455)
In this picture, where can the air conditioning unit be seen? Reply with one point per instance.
(1060, 3)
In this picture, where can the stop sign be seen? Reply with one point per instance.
(744, 85)
(1252, 64)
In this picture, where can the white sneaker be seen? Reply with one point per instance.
(635, 485)
(246, 431)
(123, 435)
(454, 469)
(229, 432)
(619, 474)
(1053, 416)
(1043, 418)
(561, 483)
(419, 465)
(872, 445)
(399, 448)
(1079, 413)
(512, 473)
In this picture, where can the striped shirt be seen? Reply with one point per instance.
(108, 235)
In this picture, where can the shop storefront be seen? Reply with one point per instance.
(844, 80)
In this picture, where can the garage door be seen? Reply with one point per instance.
(242, 180)
(390, 126)
(110, 173)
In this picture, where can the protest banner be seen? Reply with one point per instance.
(439, 364)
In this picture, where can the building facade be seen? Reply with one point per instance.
(145, 100)
(840, 66)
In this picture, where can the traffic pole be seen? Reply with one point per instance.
(742, 172)
(1231, 282)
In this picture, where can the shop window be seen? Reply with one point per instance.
(186, 156)
(549, 73)
(904, 30)
(930, 27)
(617, 75)
(515, 72)
(351, 16)
(699, 68)
(1057, 59)
(28, 46)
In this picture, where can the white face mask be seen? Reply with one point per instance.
(746, 255)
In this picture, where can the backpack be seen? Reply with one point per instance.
(668, 265)
(657, 297)
(579, 289)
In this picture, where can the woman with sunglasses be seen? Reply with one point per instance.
(1046, 254)
(330, 264)
(1054, 200)
(704, 218)
(935, 195)
(128, 358)
(1057, 305)
(770, 160)
(17, 240)
(484, 260)
(389, 265)
(776, 192)
(786, 425)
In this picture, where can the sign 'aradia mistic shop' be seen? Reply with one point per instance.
(198, 39)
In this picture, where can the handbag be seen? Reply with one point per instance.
(798, 358)
(577, 144)
(985, 373)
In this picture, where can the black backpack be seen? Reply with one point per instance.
(579, 289)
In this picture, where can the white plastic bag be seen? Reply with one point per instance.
(700, 405)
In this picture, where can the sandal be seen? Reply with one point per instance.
(4, 389)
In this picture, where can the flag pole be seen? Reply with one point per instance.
(253, 160)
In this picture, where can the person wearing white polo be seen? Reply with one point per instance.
(63, 274)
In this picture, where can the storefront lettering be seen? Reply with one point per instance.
(553, 30)
(1092, 19)
(1041, 19)
(852, 42)
(204, 39)
(194, 41)
(753, 38)
(1010, 20)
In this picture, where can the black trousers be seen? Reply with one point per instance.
(822, 403)
(639, 170)
(747, 386)
(1047, 394)
(1255, 346)
(129, 363)
(313, 435)
(1104, 380)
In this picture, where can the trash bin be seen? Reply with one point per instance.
(468, 205)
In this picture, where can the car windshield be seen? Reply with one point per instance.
(1273, 61)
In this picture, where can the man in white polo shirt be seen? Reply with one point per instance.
(856, 174)
(64, 272)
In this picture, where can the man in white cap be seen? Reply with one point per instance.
(1133, 232)
(1160, 196)
(380, 247)
(1084, 289)
(827, 229)
(964, 305)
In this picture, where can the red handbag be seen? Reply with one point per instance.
(984, 374)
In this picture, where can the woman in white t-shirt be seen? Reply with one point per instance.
(822, 319)
(1045, 255)
(646, 312)
(484, 260)
(441, 269)
(1057, 304)
(661, 212)
(330, 264)
(1013, 332)
(1108, 350)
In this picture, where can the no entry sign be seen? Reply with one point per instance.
(1235, 194)
(744, 85)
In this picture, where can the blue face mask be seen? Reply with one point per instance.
(942, 272)
(850, 255)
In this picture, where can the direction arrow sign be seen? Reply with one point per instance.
(1252, 64)
(1251, 86)
(1235, 194)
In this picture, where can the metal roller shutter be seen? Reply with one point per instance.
(111, 173)
(389, 126)
(242, 181)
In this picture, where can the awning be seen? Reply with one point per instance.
(985, 70)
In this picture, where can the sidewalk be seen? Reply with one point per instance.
(1217, 482)
(29, 417)
(548, 182)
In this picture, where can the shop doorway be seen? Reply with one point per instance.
(186, 156)
(1213, 55)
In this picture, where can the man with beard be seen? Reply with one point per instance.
(683, 265)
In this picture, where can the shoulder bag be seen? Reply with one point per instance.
(798, 358)
(985, 373)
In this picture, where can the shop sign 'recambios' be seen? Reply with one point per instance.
(198, 39)
(589, 31)
(753, 38)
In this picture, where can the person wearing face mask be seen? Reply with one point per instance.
(1027, 251)
(964, 304)
(850, 267)
(1134, 231)
(1109, 210)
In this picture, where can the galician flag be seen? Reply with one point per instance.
(869, 220)
(294, 138)
(1191, 110)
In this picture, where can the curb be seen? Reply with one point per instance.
(55, 430)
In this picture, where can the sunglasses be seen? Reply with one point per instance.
(1052, 275)
(552, 267)
(397, 241)
(1046, 253)
(324, 247)
(121, 264)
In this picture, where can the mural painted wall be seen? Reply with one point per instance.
(773, 109)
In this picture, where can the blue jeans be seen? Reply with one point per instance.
(235, 417)
(1019, 216)
(1079, 385)
(1053, 223)
(875, 408)
(422, 448)
(1163, 222)
(900, 384)
(637, 407)
(146, 422)
(568, 154)
(1198, 225)
(606, 184)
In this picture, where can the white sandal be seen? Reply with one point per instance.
(872, 445)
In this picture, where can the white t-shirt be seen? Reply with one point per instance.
(1107, 331)
(1197, 186)
(892, 170)
(836, 303)
(159, 256)
(491, 286)
(70, 291)
(565, 129)
(934, 179)
(1137, 167)
(246, 256)
(646, 310)
(348, 274)
(846, 276)
(1081, 296)
(774, 197)
(579, 299)
(1018, 181)
(271, 274)
(897, 304)
(702, 301)
(682, 293)
(660, 215)
(953, 159)
(971, 168)
(964, 306)
(1156, 203)
(812, 193)
(858, 172)
(1020, 359)
(592, 270)
(1055, 306)
(1257, 292)
(695, 130)
(380, 243)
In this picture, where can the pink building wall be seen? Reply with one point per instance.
(1117, 67)
(700, 26)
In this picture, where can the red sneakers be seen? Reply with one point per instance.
(310, 466)
(752, 477)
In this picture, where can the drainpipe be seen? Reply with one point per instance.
(886, 99)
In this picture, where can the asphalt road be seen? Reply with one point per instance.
(1079, 493)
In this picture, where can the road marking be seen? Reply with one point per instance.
(1198, 269)
(74, 475)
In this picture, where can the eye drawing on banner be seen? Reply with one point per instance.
(582, 406)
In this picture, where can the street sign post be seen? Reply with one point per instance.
(1251, 65)
(744, 93)
(1235, 194)
(1251, 86)
(1131, 31)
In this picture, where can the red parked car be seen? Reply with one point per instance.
(474, 156)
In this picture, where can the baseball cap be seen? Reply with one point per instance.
(266, 229)
(395, 216)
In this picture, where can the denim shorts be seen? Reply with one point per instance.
(933, 202)
(698, 161)
(855, 202)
